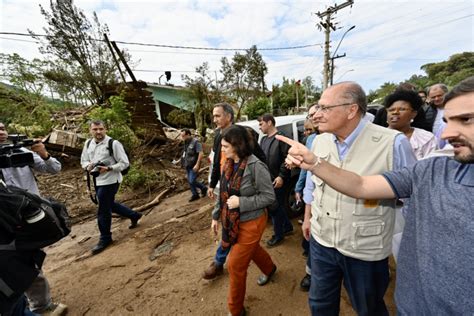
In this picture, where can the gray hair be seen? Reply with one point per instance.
(442, 86)
(354, 93)
(227, 109)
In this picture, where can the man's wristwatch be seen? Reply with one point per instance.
(109, 168)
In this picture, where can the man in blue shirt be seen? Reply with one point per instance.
(434, 275)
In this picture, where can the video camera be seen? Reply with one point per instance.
(10, 154)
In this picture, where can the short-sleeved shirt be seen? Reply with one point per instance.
(435, 268)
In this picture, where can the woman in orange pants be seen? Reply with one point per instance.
(246, 191)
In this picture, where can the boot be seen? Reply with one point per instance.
(213, 271)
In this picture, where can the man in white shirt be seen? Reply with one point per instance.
(96, 157)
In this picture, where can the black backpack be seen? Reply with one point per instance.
(110, 147)
(29, 222)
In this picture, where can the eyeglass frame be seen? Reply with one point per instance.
(326, 109)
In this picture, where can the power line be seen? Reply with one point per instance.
(179, 46)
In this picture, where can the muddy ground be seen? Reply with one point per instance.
(155, 269)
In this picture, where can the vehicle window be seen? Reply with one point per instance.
(286, 129)
(300, 129)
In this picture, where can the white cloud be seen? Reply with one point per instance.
(392, 39)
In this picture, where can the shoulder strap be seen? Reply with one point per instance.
(111, 147)
(88, 142)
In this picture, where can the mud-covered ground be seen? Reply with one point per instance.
(155, 269)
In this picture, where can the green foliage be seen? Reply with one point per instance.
(181, 118)
(117, 118)
(284, 96)
(451, 71)
(244, 76)
(206, 93)
(139, 177)
(27, 113)
(379, 95)
(256, 108)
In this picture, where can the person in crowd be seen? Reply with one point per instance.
(191, 161)
(350, 240)
(309, 129)
(39, 294)
(299, 188)
(245, 192)
(223, 116)
(436, 99)
(402, 108)
(423, 95)
(96, 156)
(435, 261)
(276, 151)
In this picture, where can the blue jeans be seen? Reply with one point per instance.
(193, 183)
(281, 223)
(107, 205)
(20, 308)
(221, 255)
(365, 282)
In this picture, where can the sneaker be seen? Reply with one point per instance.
(135, 221)
(204, 192)
(274, 241)
(54, 309)
(305, 283)
(213, 271)
(194, 198)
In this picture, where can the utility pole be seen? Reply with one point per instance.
(332, 65)
(327, 26)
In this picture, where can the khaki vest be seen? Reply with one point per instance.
(357, 228)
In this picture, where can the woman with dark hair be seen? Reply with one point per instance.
(404, 109)
(245, 192)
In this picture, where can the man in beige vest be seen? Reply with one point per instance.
(350, 239)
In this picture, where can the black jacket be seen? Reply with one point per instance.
(276, 158)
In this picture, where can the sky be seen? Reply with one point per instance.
(390, 41)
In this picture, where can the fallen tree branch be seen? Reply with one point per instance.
(155, 201)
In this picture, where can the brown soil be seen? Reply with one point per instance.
(155, 269)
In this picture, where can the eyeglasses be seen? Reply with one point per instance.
(325, 108)
(401, 110)
(308, 129)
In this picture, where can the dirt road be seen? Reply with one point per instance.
(134, 277)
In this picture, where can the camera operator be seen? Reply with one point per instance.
(96, 158)
(39, 297)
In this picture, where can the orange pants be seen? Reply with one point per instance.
(246, 249)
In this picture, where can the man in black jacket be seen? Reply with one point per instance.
(276, 152)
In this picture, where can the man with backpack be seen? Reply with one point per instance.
(191, 161)
(38, 294)
(105, 160)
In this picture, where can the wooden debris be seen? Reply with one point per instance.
(155, 201)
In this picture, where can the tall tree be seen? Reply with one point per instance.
(244, 76)
(24, 74)
(78, 43)
(206, 93)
